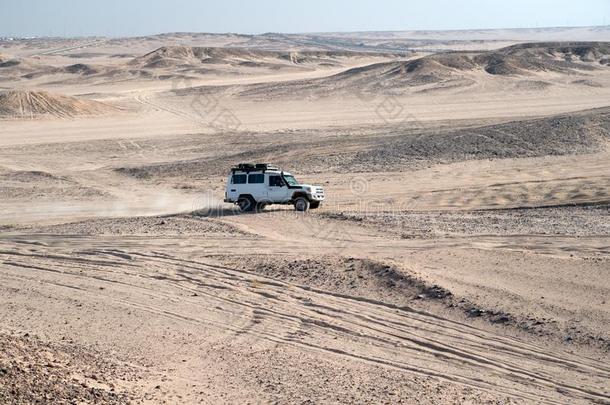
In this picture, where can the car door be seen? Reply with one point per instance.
(257, 186)
(276, 188)
(237, 182)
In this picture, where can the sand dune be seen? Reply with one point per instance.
(217, 60)
(169, 55)
(520, 59)
(443, 70)
(566, 134)
(81, 68)
(558, 57)
(26, 69)
(178, 62)
(15, 68)
(402, 149)
(34, 104)
(3, 60)
(446, 70)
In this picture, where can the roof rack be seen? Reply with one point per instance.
(251, 167)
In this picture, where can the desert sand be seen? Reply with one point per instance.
(462, 254)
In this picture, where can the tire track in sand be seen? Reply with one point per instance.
(244, 306)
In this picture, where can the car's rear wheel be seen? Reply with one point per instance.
(246, 204)
(301, 204)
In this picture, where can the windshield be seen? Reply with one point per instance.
(291, 180)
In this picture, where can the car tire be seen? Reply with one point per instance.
(301, 204)
(246, 204)
(260, 206)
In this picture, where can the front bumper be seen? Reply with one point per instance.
(317, 196)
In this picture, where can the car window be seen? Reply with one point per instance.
(256, 178)
(239, 179)
(291, 180)
(275, 181)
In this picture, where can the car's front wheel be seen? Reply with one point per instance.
(301, 204)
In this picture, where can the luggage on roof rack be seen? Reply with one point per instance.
(250, 167)
(266, 166)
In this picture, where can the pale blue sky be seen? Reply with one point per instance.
(143, 17)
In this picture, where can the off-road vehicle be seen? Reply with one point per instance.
(253, 186)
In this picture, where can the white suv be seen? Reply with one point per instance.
(254, 186)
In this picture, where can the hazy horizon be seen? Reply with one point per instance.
(310, 32)
(113, 18)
